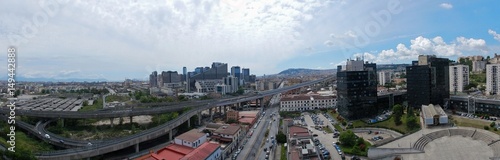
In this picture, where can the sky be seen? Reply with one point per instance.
(115, 40)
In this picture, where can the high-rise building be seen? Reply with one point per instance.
(428, 81)
(478, 66)
(198, 70)
(153, 82)
(357, 89)
(492, 78)
(218, 71)
(232, 82)
(170, 77)
(184, 73)
(186, 77)
(459, 77)
(246, 74)
(384, 77)
(236, 71)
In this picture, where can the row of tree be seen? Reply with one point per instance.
(411, 119)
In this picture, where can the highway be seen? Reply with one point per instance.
(120, 143)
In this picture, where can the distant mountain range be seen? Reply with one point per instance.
(25, 79)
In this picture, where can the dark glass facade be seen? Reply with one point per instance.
(428, 83)
(357, 92)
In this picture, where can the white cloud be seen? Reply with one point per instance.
(339, 63)
(329, 43)
(446, 5)
(139, 36)
(425, 46)
(494, 34)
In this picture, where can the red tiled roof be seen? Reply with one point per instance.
(247, 114)
(299, 131)
(180, 152)
(202, 152)
(171, 152)
(174, 151)
(246, 120)
(191, 135)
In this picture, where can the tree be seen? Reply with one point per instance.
(411, 122)
(347, 138)
(85, 103)
(397, 112)
(403, 75)
(280, 137)
(229, 121)
(492, 124)
(182, 98)
(360, 141)
(409, 112)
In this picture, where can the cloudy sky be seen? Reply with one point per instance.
(130, 39)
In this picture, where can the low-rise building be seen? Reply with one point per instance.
(307, 102)
(300, 145)
(192, 138)
(227, 133)
(434, 115)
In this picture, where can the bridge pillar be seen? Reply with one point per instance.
(111, 121)
(225, 109)
(210, 111)
(131, 120)
(199, 118)
(136, 147)
(62, 121)
(189, 122)
(120, 121)
(261, 101)
(170, 135)
(220, 109)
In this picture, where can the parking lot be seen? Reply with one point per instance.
(326, 139)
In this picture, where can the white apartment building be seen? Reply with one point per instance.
(307, 102)
(384, 77)
(459, 77)
(492, 78)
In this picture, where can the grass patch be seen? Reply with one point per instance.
(328, 130)
(118, 98)
(95, 106)
(474, 123)
(28, 143)
(283, 152)
(290, 114)
(350, 150)
(389, 124)
(337, 126)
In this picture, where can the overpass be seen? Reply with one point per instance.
(166, 128)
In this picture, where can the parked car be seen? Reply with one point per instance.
(47, 136)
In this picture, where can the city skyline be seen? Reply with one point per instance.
(115, 41)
